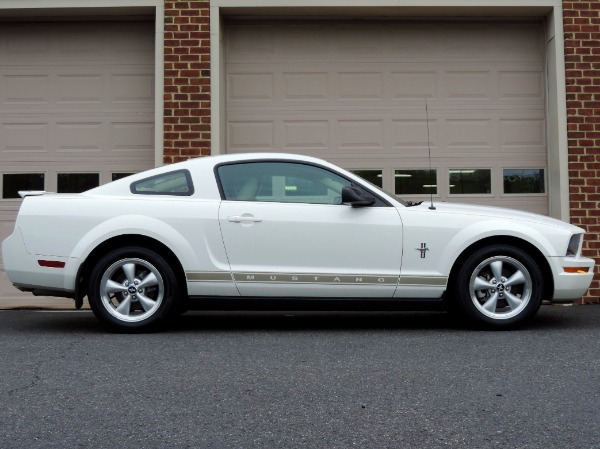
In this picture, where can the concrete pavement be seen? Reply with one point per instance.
(38, 302)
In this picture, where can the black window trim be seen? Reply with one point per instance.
(379, 200)
(186, 173)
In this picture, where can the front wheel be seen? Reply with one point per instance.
(499, 286)
(133, 289)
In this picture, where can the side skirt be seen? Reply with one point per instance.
(314, 304)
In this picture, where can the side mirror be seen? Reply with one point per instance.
(354, 197)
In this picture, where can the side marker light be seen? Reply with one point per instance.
(51, 263)
(576, 269)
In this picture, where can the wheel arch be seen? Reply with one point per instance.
(532, 250)
(120, 241)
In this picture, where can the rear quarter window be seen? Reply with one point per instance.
(177, 183)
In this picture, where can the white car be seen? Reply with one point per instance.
(278, 231)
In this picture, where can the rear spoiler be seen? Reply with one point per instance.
(24, 193)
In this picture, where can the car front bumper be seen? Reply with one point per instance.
(572, 277)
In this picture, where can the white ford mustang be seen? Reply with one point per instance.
(275, 230)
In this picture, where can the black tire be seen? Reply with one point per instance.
(502, 303)
(150, 302)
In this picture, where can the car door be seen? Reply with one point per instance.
(286, 233)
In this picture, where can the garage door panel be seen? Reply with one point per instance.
(300, 135)
(411, 135)
(387, 41)
(22, 139)
(25, 90)
(354, 93)
(251, 135)
(250, 87)
(57, 90)
(515, 85)
(411, 83)
(131, 139)
(523, 134)
(360, 135)
(131, 89)
(75, 98)
(315, 133)
(393, 84)
(359, 85)
(80, 136)
(520, 42)
(305, 86)
(25, 139)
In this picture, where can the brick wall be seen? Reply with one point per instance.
(187, 80)
(582, 58)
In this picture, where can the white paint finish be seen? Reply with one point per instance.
(309, 238)
(289, 239)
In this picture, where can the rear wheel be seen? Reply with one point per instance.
(133, 288)
(499, 286)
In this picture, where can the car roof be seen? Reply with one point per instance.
(200, 164)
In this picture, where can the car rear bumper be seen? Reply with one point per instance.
(26, 273)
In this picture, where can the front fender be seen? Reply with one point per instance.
(432, 246)
(499, 228)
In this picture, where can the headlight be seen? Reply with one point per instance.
(574, 247)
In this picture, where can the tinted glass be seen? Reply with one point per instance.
(524, 180)
(117, 176)
(77, 182)
(281, 182)
(375, 177)
(470, 181)
(173, 183)
(415, 182)
(12, 183)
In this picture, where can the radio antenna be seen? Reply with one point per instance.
(431, 206)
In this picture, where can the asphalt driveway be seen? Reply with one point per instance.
(305, 380)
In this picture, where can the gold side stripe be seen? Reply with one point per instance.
(424, 280)
(341, 279)
(208, 277)
(316, 278)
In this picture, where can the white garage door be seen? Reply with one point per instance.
(355, 93)
(76, 108)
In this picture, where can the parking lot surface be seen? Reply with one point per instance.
(300, 380)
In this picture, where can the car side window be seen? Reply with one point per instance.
(178, 182)
(283, 182)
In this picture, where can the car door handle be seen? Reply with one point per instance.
(244, 219)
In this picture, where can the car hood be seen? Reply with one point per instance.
(499, 213)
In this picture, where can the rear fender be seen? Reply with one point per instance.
(137, 225)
